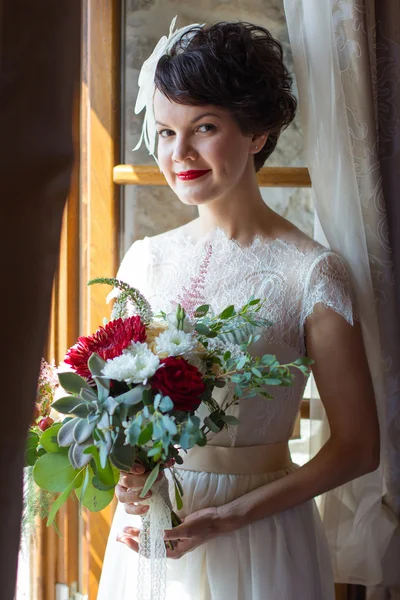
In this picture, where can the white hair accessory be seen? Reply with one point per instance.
(147, 86)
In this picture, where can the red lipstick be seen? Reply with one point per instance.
(187, 175)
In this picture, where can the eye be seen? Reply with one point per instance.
(206, 128)
(165, 133)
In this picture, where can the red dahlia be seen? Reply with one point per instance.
(107, 342)
(181, 381)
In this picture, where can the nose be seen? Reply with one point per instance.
(183, 150)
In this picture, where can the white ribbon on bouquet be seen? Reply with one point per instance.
(152, 575)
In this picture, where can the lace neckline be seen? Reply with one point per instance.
(218, 234)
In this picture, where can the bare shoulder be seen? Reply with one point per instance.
(288, 232)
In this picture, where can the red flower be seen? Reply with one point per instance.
(179, 380)
(107, 342)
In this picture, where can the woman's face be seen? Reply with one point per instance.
(201, 150)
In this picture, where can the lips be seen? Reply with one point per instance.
(188, 175)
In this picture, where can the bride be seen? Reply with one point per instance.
(217, 99)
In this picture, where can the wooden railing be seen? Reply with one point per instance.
(267, 177)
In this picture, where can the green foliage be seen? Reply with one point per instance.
(31, 454)
(90, 496)
(109, 427)
(53, 472)
(48, 439)
(128, 295)
(150, 480)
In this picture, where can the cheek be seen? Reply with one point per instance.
(232, 155)
(162, 155)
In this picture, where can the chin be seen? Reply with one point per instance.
(195, 200)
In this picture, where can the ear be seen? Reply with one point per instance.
(258, 142)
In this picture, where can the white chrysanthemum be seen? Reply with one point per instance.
(135, 365)
(174, 342)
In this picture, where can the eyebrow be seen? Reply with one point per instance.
(207, 114)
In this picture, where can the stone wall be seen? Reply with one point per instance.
(152, 210)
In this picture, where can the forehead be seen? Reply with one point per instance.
(169, 112)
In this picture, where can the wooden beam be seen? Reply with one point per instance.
(267, 177)
(99, 211)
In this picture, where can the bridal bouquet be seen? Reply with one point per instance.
(132, 392)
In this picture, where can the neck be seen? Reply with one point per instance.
(242, 213)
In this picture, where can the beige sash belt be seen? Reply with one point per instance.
(248, 460)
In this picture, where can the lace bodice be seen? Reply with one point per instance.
(173, 268)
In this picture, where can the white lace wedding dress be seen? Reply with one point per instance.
(283, 557)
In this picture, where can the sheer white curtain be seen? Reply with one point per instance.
(335, 80)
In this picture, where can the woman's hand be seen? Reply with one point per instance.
(197, 529)
(130, 487)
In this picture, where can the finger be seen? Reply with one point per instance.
(132, 481)
(137, 469)
(180, 532)
(128, 541)
(136, 509)
(132, 531)
(129, 495)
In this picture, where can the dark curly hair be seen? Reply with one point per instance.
(236, 66)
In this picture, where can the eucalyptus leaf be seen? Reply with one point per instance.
(92, 498)
(170, 425)
(155, 452)
(48, 439)
(268, 359)
(256, 372)
(241, 362)
(150, 480)
(145, 435)
(202, 329)
(31, 455)
(158, 430)
(211, 425)
(178, 497)
(99, 485)
(123, 457)
(72, 382)
(166, 404)
(272, 381)
(62, 498)
(53, 472)
(201, 438)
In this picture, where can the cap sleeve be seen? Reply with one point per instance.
(328, 282)
(133, 267)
